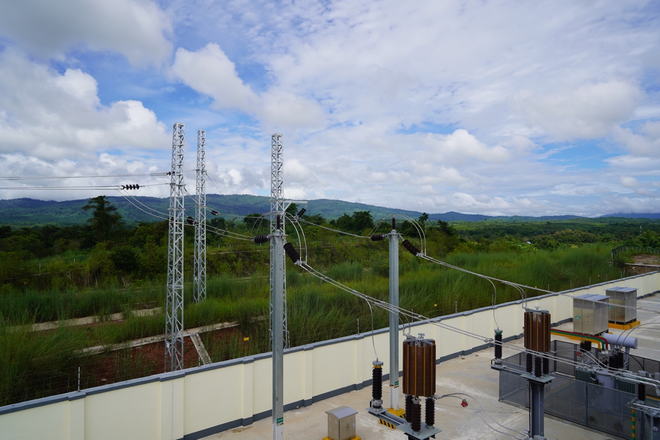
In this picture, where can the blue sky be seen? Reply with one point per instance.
(491, 107)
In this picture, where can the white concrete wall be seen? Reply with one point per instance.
(197, 402)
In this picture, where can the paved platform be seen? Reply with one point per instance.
(484, 417)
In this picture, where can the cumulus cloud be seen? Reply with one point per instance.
(137, 29)
(209, 71)
(587, 112)
(646, 142)
(54, 116)
(461, 146)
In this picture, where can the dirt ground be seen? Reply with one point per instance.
(647, 259)
(141, 361)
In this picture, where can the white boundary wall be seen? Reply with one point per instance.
(198, 402)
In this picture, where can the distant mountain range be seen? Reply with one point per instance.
(28, 212)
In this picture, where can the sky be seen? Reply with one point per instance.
(484, 107)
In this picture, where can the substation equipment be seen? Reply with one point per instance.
(418, 386)
(602, 359)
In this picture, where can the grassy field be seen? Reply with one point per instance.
(36, 364)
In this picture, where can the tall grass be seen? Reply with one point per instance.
(34, 366)
(37, 364)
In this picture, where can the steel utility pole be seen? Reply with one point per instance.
(199, 266)
(279, 333)
(174, 303)
(394, 237)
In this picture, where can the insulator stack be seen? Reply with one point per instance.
(393, 223)
(214, 212)
(537, 367)
(377, 385)
(291, 252)
(537, 330)
(585, 346)
(416, 417)
(279, 222)
(263, 238)
(498, 344)
(409, 402)
(410, 247)
(430, 411)
(641, 391)
(377, 237)
(546, 365)
(190, 220)
(301, 212)
(528, 362)
(419, 367)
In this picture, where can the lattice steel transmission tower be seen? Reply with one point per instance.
(199, 266)
(278, 323)
(174, 305)
(277, 209)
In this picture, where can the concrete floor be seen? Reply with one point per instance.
(484, 417)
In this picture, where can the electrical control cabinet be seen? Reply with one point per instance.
(590, 314)
(341, 423)
(623, 304)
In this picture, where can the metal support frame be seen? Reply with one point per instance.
(277, 207)
(394, 237)
(278, 323)
(199, 266)
(174, 303)
(536, 403)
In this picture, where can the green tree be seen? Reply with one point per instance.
(125, 259)
(153, 259)
(105, 218)
(254, 221)
(362, 220)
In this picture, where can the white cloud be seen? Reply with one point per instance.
(588, 112)
(637, 186)
(644, 143)
(135, 28)
(461, 146)
(211, 72)
(54, 116)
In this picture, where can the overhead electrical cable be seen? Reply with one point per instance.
(15, 178)
(335, 230)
